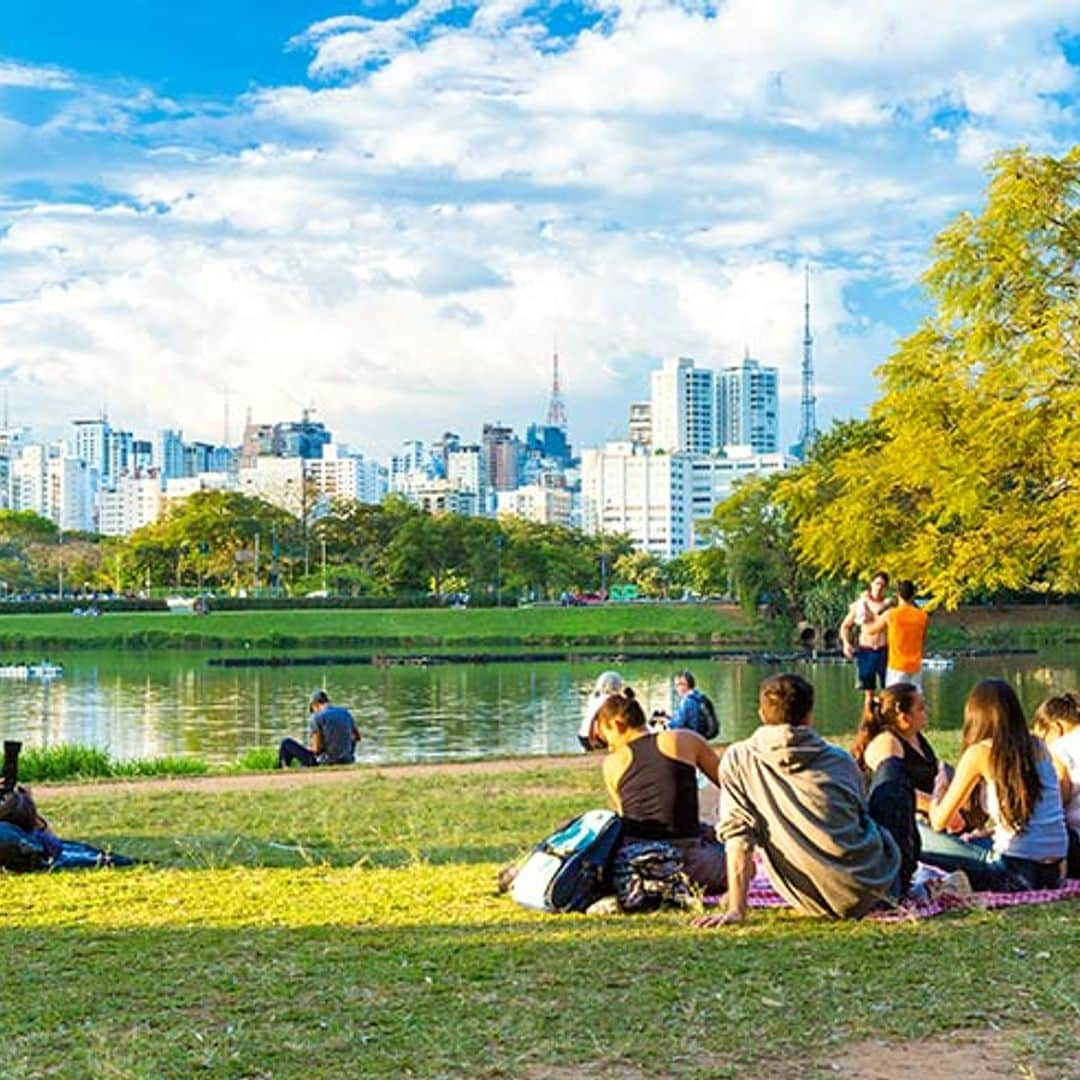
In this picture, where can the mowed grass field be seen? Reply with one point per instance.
(601, 626)
(607, 625)
(353, 929)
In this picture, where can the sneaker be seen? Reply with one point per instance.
(954, 886)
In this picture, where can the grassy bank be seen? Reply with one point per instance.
(608, 627)
(354, 931)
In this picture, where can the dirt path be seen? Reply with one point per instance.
(296, 777)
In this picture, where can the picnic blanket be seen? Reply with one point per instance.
(763, 895)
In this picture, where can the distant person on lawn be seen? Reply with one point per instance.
(905, 626)
(332, 736)
(800, 800)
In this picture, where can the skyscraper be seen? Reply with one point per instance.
(682, 407)
(747, 407)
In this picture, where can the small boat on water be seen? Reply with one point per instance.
(937, 663)
(42, 669)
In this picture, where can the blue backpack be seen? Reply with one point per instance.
(569, 869)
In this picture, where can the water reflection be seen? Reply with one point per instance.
(147, 705)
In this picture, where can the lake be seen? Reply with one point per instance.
(139, 705)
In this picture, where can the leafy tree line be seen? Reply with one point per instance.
(965, 477)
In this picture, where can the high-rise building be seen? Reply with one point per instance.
(29, 487)
(682, 404)
(502, 457)
(118, 455)
(747, 407)
(91, 443)
(169, 454)
(70, 497)
(641, 423)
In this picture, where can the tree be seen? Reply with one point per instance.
(753, 530)
(971, 482)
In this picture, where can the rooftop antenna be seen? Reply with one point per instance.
(556, 414)
(807, 419)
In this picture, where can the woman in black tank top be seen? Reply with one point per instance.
(651, 779)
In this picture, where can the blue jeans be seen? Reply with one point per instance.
(985, 871)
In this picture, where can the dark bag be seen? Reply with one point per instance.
(649, 873)
(568, 870)
(710, 725)
(20, 850)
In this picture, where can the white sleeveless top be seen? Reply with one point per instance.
(1044, 838)
(1067, 750)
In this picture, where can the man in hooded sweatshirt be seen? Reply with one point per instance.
(800, 799)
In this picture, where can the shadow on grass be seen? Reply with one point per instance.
(210, 851)
(622, 997)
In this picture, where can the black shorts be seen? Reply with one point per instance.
(871, 666)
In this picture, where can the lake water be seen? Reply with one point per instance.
(145, 705)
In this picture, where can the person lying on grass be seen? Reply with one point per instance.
(651, 779)
(800, 800)
(1027, 841)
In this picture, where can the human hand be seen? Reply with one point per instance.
(849, 652)
(708, 922)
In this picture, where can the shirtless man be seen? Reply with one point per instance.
(871, 650)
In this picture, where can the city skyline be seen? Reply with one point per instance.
(392, 215)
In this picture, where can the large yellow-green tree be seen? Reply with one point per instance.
(968, 479)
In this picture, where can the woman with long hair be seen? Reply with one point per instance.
(1028, 841)
(651, 779)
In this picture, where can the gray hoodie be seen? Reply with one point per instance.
(800, 799)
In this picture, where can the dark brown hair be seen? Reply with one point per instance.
(993, 712)
(785, 699)
(881, 712)
(1060, 711)
(623, 708)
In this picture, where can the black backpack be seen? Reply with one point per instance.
(709, 725)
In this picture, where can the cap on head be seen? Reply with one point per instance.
(318, 697)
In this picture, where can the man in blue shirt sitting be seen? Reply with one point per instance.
(332, 736)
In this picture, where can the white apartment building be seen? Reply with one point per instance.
(70, 491)
(538, 502)
(29, 484)
(439, 497)
(339, 474)
(645, 496)
(134, 502)
(657, 499)
(279, 481)
(179, 488)
(748, 407)
(91, 443)
(682, 407)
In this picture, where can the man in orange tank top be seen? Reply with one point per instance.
(905, 626)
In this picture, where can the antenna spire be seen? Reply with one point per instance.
(807, 419)
(556, 414)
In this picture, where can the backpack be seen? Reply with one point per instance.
(710, 725)
(568, 870)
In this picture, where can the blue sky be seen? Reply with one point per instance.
(392, 211)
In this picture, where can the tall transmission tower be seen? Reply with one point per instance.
(807, 420)
(556, 414)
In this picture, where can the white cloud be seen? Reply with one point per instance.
(402, 242)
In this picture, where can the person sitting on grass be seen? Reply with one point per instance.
(800, 800)
(332, 736)
(901, 764)
(607, 682)
(1057, 721)
(651, 780)
(1026, 843)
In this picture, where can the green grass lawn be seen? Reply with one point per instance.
(354, 930)
(425, 628)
